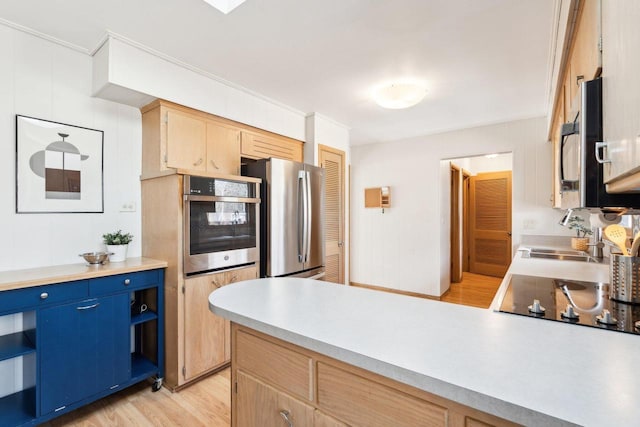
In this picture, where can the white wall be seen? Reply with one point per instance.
(45, 80)
(407, 247)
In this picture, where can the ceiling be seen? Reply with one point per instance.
(484, 61)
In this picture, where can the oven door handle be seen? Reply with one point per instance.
(197, 198)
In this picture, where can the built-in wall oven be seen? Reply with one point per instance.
(221, 223)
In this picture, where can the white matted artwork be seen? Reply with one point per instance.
(58, 167)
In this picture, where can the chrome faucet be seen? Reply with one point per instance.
(597, 245)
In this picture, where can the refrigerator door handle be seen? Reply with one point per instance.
(309, 218)
(302, 215)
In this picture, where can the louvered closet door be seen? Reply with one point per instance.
(490, 228)
(332, 161)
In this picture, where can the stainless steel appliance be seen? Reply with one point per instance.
(292, 237)
(569, 301)
(581, 174)
(221, 223)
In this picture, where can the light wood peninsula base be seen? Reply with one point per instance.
(275, 383)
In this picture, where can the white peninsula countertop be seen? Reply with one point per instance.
(525, 370)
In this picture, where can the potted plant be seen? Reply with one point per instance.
(581, 240)
(117, 244)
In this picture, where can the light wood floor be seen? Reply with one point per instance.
(475, 290)
(206, 403)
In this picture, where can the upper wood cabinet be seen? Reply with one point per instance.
(186, 141)
(584, 62)
(179, 139)
(258, 146)
(223, 149)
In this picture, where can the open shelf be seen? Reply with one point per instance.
(143, 317)
(18, 408)
(17, 344)
(141, 367)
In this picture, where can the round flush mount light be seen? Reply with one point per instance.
(400, 94)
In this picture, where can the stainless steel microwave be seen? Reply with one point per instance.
(581, 175)
(221, 224)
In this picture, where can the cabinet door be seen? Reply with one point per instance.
(257, 146)
(320, 419)
(186, 141)
(204, 332)
(83, 349)
(621, 86)
(233, 276)
(223, 149)
(261, 405)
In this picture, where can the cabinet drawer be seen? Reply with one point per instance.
(276, 365)
(20, 299)
(121, 282)
(361, 401)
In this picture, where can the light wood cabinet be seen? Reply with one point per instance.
(177, 139)
(262, 405)
(186, 146)
(206, 336)
(257, 146)
(223, 149)
(270, 375)
(584, 62)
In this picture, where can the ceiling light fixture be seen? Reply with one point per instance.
(225, 6)
(399, 94)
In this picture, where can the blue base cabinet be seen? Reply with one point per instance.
(91, 338)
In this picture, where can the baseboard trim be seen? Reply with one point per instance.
(394, 291)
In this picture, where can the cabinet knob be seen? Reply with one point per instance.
(44, 295)
(127, 282)
(285, 416)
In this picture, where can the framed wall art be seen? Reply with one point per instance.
(59, 167)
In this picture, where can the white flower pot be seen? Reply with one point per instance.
(118, 252)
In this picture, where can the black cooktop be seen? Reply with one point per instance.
(569, 301)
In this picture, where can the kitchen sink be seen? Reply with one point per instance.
(562, 255)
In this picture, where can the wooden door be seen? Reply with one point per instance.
(456, 224)
(186, 141)
(223, 149)
(490, 225)
(332, 161)
(261, 405)
(204, 332)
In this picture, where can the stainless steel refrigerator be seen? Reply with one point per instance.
(291, 218)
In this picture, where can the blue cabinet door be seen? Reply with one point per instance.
(83, 349)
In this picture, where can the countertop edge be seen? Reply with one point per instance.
(20, 279)
(473, 399)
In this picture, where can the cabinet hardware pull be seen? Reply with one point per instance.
(214, 164)
(285, 416)
(599, 158)
(214, 283)
(88, 307)
(127, 282)
(199, 162)
(44, 295)
(233, 279)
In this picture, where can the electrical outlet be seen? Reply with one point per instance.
(128, 207)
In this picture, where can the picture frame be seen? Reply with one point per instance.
(59, 167)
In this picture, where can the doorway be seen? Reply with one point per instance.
(480, 225)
